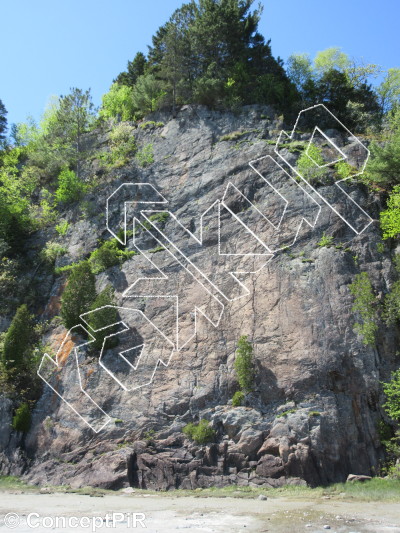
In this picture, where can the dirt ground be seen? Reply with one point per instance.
(167, 514)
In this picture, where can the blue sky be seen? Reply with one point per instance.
(49, 46)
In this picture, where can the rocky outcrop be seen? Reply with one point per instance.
(313, 413)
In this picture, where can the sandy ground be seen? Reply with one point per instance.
(167, 514)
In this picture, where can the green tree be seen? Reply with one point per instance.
(389, 91)
(390, 217)
(117, 103)
(330, 59)
(75, 116)
(392, 392)
(18, 341)
(384, 164)
(147, 94)
(78, 295)
(3, 121)
(70, 187)
(299, 70)
(15, 193)
(22, 418)
(244, 364)
(364, 300)
(307, 164)
(134, 69)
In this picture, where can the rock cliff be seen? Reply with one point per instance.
(312, 416)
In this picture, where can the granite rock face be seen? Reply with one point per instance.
(312, 417)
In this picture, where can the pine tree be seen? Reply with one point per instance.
(244, 365)
(134, 69)
(3, 120)
(18, 341)
(78, 295)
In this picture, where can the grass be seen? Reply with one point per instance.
(377, 489)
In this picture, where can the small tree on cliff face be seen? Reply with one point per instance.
(78, 295)
(18, 341)
(244, 364)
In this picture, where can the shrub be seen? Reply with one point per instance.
(244, 365)
(390, 218)
(117, 103)
(51, 251)
(62, 227)
(147, 94)
(238, 398)
(392, 392)
(103, 317)
(18, 340)
(22, 418)
(364, 300)
(122, 146)
(145, 156)
(343, 170)
(307, 168)
(158, 218)
(391, 311)
(326, 240)
(70, 187)
(78, 295)
(384, 164)
(200, 433)
(109, 254)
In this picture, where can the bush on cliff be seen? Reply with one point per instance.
(244, 365)
(22, 418)
(201, 433)
(78, 295)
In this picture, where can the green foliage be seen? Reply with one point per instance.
(364, 300)
(156, 249)
(326, 240)
(117, 103)
(51, 251)
(15, 193)
(158, 218)
(389, 91)
(390, 217)
(391, 311)
(105, 315)
(3, 120)
(70, 188)
(313, 413)
(62, 228)
(392, 392)
(201, 433)
(307, 164)
(343, 170)
(147, 95)
(329, 59)
(107, 255)
(238, 398)
(244, 365)
(18, 341)
(384, 164)
(78, 295)
(135, 69)
(22, 418)
(122, 146)
(149, 435)
(338, 82)
(285, 413)
(210, 53)
(145, 156)
(150, 124)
